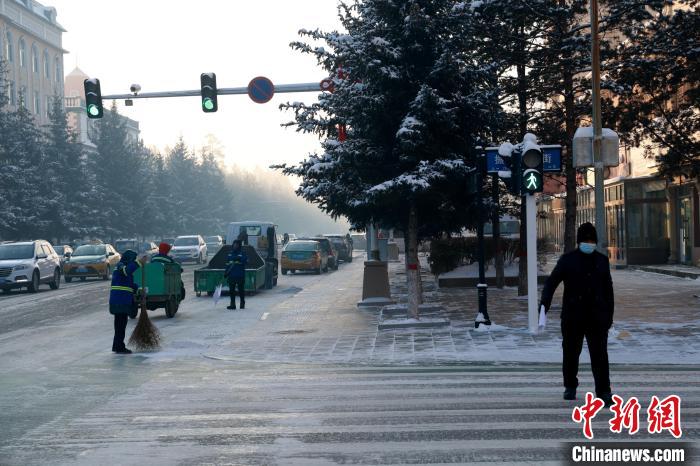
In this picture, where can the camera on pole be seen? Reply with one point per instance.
(209, 92)
(93, 98)
(532, 166)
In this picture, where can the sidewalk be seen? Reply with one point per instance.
(656, 321)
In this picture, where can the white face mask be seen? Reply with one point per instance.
(587, 248)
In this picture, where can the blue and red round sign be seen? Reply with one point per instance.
(261, 90)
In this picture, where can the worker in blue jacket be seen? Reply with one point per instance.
(121, 298)
(236, 262)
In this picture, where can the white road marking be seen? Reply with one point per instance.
(264, 316)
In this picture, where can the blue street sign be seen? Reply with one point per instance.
(551, 159)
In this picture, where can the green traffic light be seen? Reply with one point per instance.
(93, 110)
(208, 104)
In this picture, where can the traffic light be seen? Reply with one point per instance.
(533, 171)
(515, 172)
(209, 93)
(93, 98)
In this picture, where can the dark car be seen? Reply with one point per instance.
(342, 244)
(64, 251)
(330, 250)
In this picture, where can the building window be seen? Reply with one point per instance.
(12, 93)
(35, 59)
(9, 52)
(37, 103)
(47, 65)
(22, 54)
(49, 104)
(59, 73)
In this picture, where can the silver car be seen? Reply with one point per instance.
(29, 264)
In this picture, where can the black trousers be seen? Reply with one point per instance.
(234, 283)
(120, 321)
(572, 343)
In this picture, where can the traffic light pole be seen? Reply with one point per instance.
(482, 317)
(531, 224)
(279, 89)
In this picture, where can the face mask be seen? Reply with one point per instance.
(586, 248)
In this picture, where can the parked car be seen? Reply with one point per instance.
(214, 243)
(146, 248)
(189, 248)
(304, 255)
(329, 249)
(64, 251)
(343, 245)
(168, 240)
(91, 260)
(28, 264)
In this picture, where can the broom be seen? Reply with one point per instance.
(145, 336)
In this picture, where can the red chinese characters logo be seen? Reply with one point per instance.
(661, 415)
(626, 416)
(665, 415)
(586, 413)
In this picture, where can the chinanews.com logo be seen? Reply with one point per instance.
(663, 416)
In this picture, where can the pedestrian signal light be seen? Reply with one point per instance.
(533, 171)
(209, 92)
(93, 98)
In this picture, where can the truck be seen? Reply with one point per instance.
(262, 236)
(207, 278)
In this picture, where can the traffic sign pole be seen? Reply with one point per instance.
(279, 89)
(531, 224)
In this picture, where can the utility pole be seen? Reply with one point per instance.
(600, 220)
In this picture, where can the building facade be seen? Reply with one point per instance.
(31, 46)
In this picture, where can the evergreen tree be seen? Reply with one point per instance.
(70, 214)
(24, 206)
(655, 84)
(118, 178)
(414, 102)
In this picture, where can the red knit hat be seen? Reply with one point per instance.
(164, 248)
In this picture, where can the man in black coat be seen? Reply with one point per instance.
(587, 310)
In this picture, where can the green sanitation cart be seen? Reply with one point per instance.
(208, 278)
(164, 286)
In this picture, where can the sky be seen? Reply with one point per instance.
(166, 44)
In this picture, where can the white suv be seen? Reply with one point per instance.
(28, 264)
(189, 248)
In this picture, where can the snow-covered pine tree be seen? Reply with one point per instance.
(71, 213)
(655, 84)
(414, 101)
(116, 169)
(24, 203)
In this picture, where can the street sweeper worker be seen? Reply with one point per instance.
(163, 258)
(587, 310)
(236, 262)
(121, 298)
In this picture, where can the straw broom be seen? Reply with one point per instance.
(145, 336)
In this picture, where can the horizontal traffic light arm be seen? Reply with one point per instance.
(279, 89)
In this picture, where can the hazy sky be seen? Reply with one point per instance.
(166, 44)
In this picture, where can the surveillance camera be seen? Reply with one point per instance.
(135, 88)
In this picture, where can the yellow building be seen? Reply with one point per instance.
(31, 45)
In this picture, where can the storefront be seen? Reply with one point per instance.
(638, 220)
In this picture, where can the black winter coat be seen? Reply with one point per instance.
(588, 288)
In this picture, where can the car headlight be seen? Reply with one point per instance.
(21, 267)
